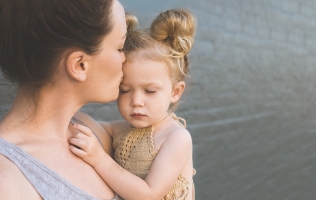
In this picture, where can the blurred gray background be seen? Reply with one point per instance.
(250, 101)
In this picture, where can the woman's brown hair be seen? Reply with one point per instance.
(35, 34)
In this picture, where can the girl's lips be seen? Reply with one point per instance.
(137, 115)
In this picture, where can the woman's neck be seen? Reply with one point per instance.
(48, 119)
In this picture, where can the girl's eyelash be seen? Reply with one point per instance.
(121, 50)
(124, 91)
(147, 91)
(150, 91)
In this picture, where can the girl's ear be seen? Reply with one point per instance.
(77, 65)
(177, 91)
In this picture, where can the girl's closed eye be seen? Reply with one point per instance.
(121, 50)
(150, 91)
(124, 91)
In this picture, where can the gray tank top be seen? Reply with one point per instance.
(47, 183)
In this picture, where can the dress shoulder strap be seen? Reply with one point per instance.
(175, 117)
(178, 119)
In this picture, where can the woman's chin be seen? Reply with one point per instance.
(111, 98)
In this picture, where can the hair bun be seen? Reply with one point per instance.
(175, 28)
(131, 21)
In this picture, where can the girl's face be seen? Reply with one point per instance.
(145, 92)
(106, 67)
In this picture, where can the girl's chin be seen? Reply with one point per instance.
(139, 125)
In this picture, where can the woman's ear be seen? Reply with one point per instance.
(178, 90)
(77, 66)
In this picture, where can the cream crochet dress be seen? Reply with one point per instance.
(134, 151)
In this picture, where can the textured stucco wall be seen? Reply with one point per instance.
(250, 102)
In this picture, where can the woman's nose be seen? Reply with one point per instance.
(123, 57)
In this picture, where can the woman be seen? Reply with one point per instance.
(63, 54)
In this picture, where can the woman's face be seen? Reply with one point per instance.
(106, 72)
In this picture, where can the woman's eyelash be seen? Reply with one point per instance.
(121, 50)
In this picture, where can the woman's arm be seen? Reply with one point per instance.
(167, 166)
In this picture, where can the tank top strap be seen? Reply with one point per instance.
(46, 182)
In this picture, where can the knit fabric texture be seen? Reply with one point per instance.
(134, 151)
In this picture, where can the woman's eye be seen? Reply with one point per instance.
(121, 50)
(150, 91)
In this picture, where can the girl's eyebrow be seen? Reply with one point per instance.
(157, 84)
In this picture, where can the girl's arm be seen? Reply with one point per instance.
(114, 126)
(167, 166)
(102, 133)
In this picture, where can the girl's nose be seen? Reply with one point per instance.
(137, 101)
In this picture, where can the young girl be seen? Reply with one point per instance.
(151, 144)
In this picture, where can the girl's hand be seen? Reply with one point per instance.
(85, 145)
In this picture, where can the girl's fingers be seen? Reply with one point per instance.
(82, 136)
(76, 151)
(87, 131)
(78, 143)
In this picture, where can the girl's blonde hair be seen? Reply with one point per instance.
(169, 39)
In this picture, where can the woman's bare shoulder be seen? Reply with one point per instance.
(91, 123)
(8, 170)
(14, 182)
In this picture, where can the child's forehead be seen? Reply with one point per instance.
(145, 72)
(144, 83)
(141, 61)
(153, 52)
(138, 66)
